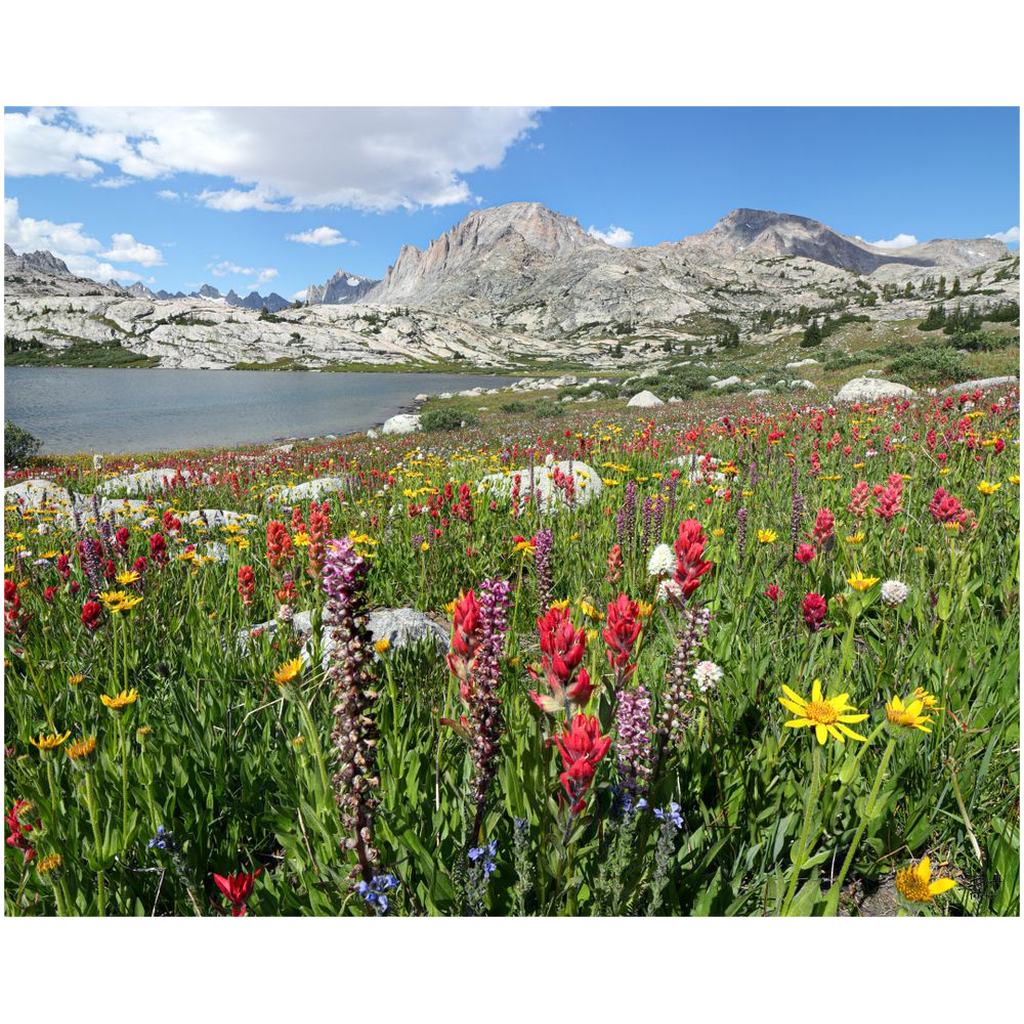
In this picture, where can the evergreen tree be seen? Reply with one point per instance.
(812, 335)
(956, 288)
(942, 286)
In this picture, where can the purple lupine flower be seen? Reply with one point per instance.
(741, 533)
(677, 693)
(485, 718)
(345, 615)
(633, 726)
(646, 512)
(542, 564)
(659, 517)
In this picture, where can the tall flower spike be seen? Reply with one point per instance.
(355, 732)
(690, 564)
(582, 747)
(562, 647)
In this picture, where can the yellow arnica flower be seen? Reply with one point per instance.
(589, 610)
(51, 742)
(1014, 478)
(929, 700)
(767, 536)
(915, 884)
(424, 546)
(560, 604)
(524, 547)
(51, 862)
(114, 597)
(121, 701)
(75, 679)
(855, 538)
(644, 609)
(826, 714)
(718, 532)
(382, 645)
(861, 582)
(301, 540)
(988, 488)
(80, 748)
(128, 577)
(288, 671)
(907, 716)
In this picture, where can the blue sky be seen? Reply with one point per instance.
(276, 198)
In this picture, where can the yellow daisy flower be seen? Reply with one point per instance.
(767, 536)
(906, 716)
(51, 742)
(988, 488)
(826, 714)
(288, 671)
(861, 582)
(915, 885)
(121, 701)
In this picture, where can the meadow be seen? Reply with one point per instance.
(728, 658)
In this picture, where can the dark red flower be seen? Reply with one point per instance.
(773, 592)
(91, 612)
(689, 548)
(237, 889)
(562, 647)
(582, 746)
(620, 634)
(815, 608)
(246, 584)
(805, 553)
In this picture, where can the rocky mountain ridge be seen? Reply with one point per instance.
(523, 282)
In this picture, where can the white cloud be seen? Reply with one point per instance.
(900, 241)
(619, 237)
(125, 249)
(318, 236)
(1010, 235)
(225, 268)
(118, 182)
(25, 234)
(89, 266)
(79, 251)
(166, 193)
(300, 296)
(371, 158)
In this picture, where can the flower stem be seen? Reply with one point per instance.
(832, 904)
(90, 798)
(812, 800)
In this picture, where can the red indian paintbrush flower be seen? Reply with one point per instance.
(246, 584)
(158, 549)
(562, 647)
(279, 544)
(945, 508)
(689, 547)
(824, 525)
(805, 553)
(582, 746)
(620, 634)
(466, 637)
(815, 608)
(91, 612)
(18, 829)
(237, 889)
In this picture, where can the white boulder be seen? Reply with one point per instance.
(870, 389)
(645, 400)
(403, 423)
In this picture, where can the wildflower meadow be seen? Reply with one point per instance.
(729, 659)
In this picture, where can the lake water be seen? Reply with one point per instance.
(115, 411)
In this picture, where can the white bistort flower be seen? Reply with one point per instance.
(662, 561)
(668, 592)
(707, 675)
(894, 592)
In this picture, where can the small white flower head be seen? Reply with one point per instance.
(707, 675)
(668, 592)
(285, 613)
(662, 561)
(894, 592)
